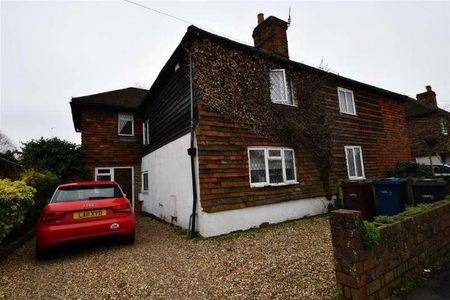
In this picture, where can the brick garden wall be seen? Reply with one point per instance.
(407, 248)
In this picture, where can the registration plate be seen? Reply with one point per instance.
(89, 214)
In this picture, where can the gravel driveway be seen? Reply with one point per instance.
(292, 260)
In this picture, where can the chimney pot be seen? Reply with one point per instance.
(428, 87)
(260, 18)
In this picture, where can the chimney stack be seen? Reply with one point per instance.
(427, 98)
(270, 34)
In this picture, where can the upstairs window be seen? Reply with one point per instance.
(346, 101)
(271, 166)
(280, 88)
(126, 124)
(355, 163)
(444, 129)
(145, 132)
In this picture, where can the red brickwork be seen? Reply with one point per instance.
(271, 35)
(407, 248)
(105, 148)
(101, 141)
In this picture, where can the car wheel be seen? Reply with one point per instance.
(128, 239)
(42, 254)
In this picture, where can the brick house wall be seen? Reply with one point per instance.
(225, 73)
(105, 148)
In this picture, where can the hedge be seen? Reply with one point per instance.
(16, 198)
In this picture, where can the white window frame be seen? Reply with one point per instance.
(354, 160)
(341, 108)
(132, 123)
(143, 190)
(286, 90)
(443, 124)
(111, 173)
(266, 163)
(145, 132)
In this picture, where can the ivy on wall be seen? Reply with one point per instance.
(237, 85)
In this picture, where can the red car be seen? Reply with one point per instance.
(84, 210)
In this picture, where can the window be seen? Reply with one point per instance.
(355, 163)
(281, 88)
(444, 129)
(271, 166)
(126, 124)
(346, 101)
(103, 174)
(94, 192)
(145, 181)
(146, 132)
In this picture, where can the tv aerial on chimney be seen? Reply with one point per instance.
(289, 17)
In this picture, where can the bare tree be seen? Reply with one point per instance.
(6, 144)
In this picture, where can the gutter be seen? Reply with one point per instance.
(192, 152)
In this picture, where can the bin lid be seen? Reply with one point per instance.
(355, 182)
(390, 181)
(428, 182)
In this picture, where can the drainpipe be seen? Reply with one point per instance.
(192, 151)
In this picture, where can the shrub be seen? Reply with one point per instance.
(61, 157)
(45, 183)
(370, 235)
(409, 211)
(409, 169)
(15, 199)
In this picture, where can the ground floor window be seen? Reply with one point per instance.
(124, 176)
(105, 174)
(355, 162)
(145, 181)
(271, 166)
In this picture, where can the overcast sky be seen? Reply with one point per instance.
(52, 51)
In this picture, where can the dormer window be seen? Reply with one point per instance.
(346, 101)
(126, 124)
(280, 88)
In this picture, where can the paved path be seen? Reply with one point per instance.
(436, 287)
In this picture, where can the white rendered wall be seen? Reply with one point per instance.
(213, 224)
(170, 183)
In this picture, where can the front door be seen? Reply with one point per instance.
(122, 175)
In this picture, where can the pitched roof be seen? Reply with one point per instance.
(193, 33)
(124, 98)
(128, 98)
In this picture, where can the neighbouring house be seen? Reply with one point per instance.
(111, 136)
(9, 167)
(223, 150)
(428, 127)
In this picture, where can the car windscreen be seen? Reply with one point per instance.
(76, 193)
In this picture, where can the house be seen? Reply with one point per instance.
(111, 136)
(223, 150)
(9, 167)
(428, 129)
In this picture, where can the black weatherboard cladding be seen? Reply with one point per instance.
(168, 108)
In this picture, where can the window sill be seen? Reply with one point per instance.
(273, 184)
(285, 104)
(357, 178)
(126, 135)
(347, 113)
